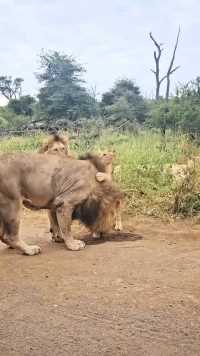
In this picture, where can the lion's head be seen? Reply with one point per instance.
(102, 162)
(98, 212)
(56, 144)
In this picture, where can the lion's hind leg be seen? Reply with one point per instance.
(54, 228)
(10, 217)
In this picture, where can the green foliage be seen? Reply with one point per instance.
(22, 106)
(181, 112)
(162, 115)
(187, 104)
(21, 144)
(3, 123)
(62, 94)
(10, 88)
(123, 103)
(9, 120)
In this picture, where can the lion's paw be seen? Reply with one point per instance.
(75, 245)
(118, 227)
(96, 235)
(100, 177)
(32, 250)
(57, 238)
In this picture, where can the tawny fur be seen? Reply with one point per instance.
(56, 144)
(67, 187)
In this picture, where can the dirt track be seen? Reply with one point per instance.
(129, 295)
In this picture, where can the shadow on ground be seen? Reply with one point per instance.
(114, 237)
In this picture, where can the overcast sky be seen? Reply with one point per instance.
(109, 37)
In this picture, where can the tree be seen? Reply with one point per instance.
(157, 55)
(190, 90)
(187, 101)
(124, 103)
(10, 120)
(10, 88)
(181, 112)
(62, 94)
(22, 106)
(161, 116)
(170, 71)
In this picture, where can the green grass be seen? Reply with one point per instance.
(139, 164)
(21, 144)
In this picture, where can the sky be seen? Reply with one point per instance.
(110, 38)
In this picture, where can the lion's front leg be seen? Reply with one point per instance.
(118, 218)
(118, 222)
(64, 218)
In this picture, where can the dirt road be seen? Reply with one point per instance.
(135, 294)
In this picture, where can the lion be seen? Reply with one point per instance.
(67, 188)
(58, 144)
(179, 171)
(105, 174)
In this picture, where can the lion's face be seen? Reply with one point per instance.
(99, 214)
(56, 144)
(107, 158)
(57, 148)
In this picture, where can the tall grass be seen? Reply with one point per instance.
(21, 144)
(138, 166)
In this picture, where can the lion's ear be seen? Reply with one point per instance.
(65, 140)
(43, 149)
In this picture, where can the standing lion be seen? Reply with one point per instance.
(68, 188)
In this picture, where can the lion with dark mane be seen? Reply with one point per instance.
(67, 188)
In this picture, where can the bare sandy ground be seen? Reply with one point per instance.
(128, 294)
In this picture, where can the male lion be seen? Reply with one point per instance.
(105, 174)
(68, 188)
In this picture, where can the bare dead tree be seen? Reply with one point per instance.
(171, 70)
(157, 54)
